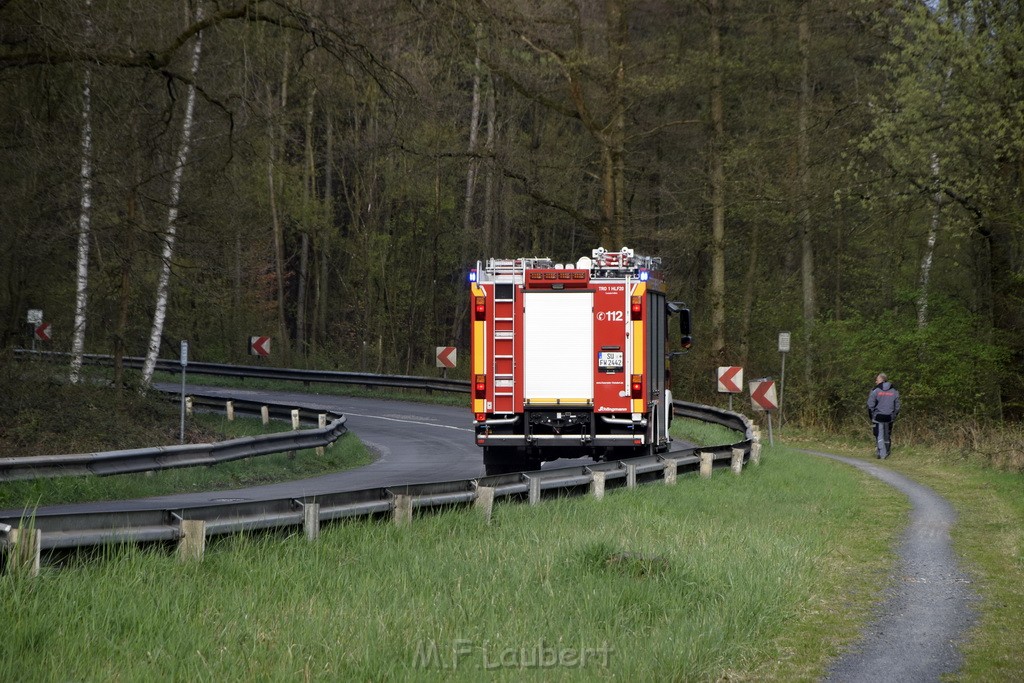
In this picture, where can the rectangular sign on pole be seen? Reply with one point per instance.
(184, 364)
(43, 332)
(783, 342)
(730, 380)
(35, 316)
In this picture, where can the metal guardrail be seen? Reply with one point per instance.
(189, 455)
(72, 530)
(260, 372)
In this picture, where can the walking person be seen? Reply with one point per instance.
(883, 408)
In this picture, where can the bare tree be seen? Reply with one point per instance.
(804, 184)
(717, 188)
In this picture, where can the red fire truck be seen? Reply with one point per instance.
(569, 360)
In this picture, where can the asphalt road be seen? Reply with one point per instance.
(928, 608)
(414, 443)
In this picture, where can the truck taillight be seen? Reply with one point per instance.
(480, 308)
(636, 308)
(480, 386)
(636, 386)
(480, 417)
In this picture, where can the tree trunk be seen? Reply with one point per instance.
(488, 223)
(929, 249)
(84, 217)
(618, 35)
(322, 284)
(308, 196)
(717, 190)
(473, 165)
(163, 283)
(750, 283)
(276, 155)
(803, 170)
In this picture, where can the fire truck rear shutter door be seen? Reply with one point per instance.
(558, 346)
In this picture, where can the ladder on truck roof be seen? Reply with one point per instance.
(503, 342)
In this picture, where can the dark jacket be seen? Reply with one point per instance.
(884, 403)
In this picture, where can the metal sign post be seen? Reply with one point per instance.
(762, 397)
(446, 358)
(730, 381)
(184, 364)
(34, 318)
(783, 349)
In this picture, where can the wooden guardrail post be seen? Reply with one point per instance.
(402, 513)
(671, 471)
(737, 461)
(229, 408)
(484, 501)
(311, 520)
(597, 485)
(192, 541)
(706, 462)
(24, 551)
(534, 490)
(265, 414)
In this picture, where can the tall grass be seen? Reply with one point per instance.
(704, 580)
(704, 433)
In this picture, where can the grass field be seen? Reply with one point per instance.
(346, 453)
(759, 576)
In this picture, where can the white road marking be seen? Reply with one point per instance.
(412, 422)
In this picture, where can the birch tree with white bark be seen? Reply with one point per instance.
(84, 216)
(173, 207)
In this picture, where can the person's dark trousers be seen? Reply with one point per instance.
(882, 429)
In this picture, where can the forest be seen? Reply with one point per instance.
(327, 173)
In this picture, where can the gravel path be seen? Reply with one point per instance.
(928, 609)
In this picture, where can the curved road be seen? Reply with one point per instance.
(927, 611)
(441, 448)
(414, 443)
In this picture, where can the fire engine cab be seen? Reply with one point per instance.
(569, 359)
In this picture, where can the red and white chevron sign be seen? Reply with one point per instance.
(446, 356)
(730, 380)
(259, 346)
(42, 332)
(762, 395)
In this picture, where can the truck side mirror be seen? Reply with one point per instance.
(678, 307)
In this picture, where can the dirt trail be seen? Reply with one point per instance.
(924, 615)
